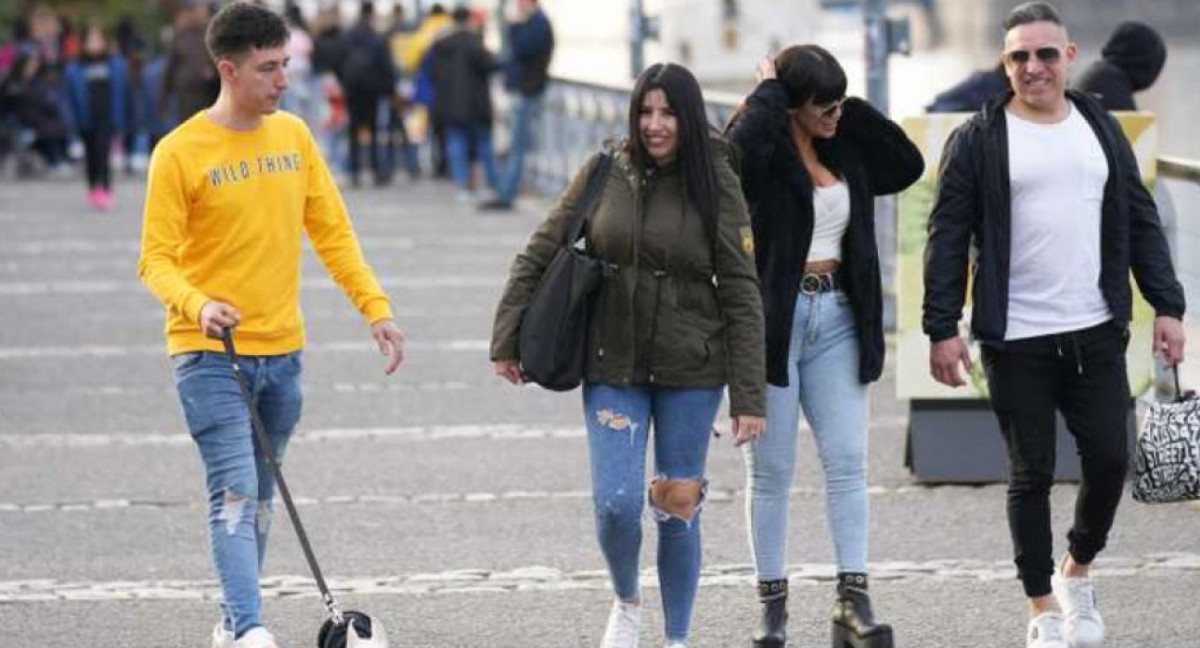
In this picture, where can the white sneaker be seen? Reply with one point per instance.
(1083, 626)
(222, 638)
(677, 644)
(1045, 631)
(257, 638)
(623, 623)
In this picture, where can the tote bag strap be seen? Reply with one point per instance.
(1180, 395)
(591, 192)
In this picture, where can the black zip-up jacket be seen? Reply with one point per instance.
(874, 157)
(973, 208)
(461, 68)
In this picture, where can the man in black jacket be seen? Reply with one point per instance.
(1046, 187)
(367, 75)
(462, 100)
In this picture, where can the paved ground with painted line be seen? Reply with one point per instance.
(451, 506)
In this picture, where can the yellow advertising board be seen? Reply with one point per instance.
(913, 380)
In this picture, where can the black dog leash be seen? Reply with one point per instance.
(264, 447)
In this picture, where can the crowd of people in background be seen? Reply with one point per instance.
(381, 93)
(75, 90)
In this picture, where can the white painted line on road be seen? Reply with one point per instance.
(85, 287)
(108, 351)
(405, 314)
(132, 246)
(539, 578)
(124, 391)
(72, 246)
(125, 266)
(411, 433)
(417, 433)
(714, 496)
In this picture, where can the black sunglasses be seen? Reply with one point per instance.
(1043, 54)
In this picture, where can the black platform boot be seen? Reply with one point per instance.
(854, 625)
(772, 630)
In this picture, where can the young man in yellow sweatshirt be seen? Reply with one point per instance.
(231, 194)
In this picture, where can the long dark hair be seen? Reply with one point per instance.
(694, 152)
(810, 72)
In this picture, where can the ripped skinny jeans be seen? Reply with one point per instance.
(240, 484)
(619, 419)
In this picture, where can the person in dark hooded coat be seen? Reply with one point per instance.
(1130, 62)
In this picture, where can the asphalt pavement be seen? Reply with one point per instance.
(448, 504)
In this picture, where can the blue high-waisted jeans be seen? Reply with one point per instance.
(240, 484)
(823, 379)
(618, 423)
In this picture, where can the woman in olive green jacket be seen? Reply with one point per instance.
(677, 319)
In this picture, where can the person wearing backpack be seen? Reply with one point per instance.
(677, 318)
(462, 69)
(367, 74)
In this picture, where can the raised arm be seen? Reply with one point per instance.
(892, 161)
(758, 127)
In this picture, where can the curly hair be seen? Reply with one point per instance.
(241, 27)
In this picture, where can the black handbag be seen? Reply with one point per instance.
(553, 333)
(1167, 460)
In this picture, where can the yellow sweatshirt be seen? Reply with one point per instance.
(225, 217)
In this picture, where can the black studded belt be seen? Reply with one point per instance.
(812, 283)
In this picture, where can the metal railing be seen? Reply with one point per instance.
(1179, 168)
(578, 116)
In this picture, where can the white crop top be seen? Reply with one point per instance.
(831, 214)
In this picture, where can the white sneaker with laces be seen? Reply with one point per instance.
(1045, 631)
(222, 638)
(257, 638)
(623, 622)
(1082, 626)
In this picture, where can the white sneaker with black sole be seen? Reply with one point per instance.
(1045, 631)
(1082, 625)
(624, 620)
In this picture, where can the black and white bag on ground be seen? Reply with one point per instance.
(1167, 459)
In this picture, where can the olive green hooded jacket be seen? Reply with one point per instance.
(675, 308)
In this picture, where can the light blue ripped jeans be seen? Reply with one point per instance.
(618, 423)
(240, 483)
(823, 379)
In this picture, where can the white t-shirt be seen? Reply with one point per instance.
(831, 214)
(1057, 174)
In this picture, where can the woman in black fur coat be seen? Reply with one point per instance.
(813, 161)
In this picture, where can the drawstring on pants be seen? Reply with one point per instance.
(1074, 349)
(1078, 355)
